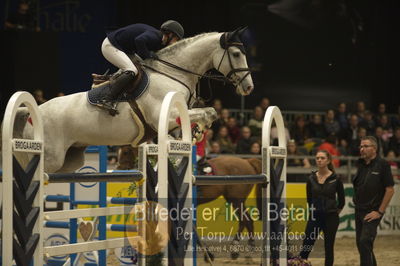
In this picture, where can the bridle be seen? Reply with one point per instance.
(231, 77)
(236, 80)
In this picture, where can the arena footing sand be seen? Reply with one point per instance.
(386, 249)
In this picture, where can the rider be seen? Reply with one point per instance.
(141, 39)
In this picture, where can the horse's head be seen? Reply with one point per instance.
(231, 61)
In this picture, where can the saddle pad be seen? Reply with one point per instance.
(97, 94)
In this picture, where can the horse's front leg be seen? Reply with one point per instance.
(200, 118)
(203, 116)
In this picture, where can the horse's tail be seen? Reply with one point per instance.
(20, 121)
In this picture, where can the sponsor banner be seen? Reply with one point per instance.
(152, 149)
(26, 145)
(179, 147)
(277, 152)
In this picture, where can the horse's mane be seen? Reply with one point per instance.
(182, 43)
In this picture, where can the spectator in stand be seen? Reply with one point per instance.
(343, 147)
(381, 111)
(224, 141)
(354, 146)
(293, 150)
(394, 142)
(299, 131)
(342, 116)
(256, 122)
(296, 162)
(221, 121)
(217, 104)
(22, 20)
(396, 118)
(244, 143)
(394, 165)
(330, 144)
(382, 144)
(38, 95)
(331, 125)
(274, 133)
(233, 130)
(360, 110)
(215, 148)
(264, 104)
(368, 123)
(201, 146)
(255, 148)
(384, 123)
(209, 138)
(350, 133)
(316, 128)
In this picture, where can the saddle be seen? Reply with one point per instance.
(133, 90)
(130, 90)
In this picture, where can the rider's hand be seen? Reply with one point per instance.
(372, 216)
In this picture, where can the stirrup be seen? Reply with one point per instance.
(110, 106)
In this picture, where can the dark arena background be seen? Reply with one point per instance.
(305, 56)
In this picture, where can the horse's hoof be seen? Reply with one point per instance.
(234, 255)
(235, 249)
(252, 244)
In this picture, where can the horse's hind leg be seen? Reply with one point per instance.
(237, 205)
(126, 157)
(74, 159)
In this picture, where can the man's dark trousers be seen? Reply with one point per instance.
(365, 237)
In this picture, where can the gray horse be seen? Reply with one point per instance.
(71, 123)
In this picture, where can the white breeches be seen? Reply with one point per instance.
(117, 57)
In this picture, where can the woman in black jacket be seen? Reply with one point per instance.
(325, 197)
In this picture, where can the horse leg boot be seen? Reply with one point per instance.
(118, 84)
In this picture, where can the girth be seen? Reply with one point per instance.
(148, 132)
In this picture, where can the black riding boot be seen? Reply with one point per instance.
(118, 84)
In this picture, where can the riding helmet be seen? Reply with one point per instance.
(174, 27)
